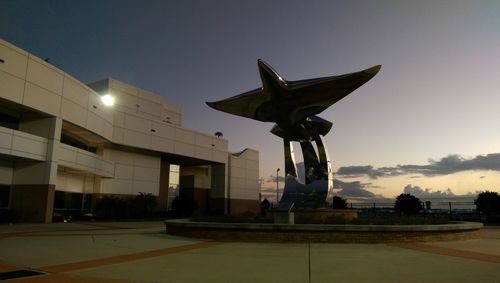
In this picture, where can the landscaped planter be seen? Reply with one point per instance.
(323, 232)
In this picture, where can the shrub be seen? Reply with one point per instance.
(395, 219)
(111, 207)
(339, 203)
(488, 202)
(407, 204)
(143, 204)
(7, 216)
(184, 206)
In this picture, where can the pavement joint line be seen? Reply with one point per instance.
(44, 234)
(65, 278)
(449, 252)
(125, 258)
(4, 267)
(115, 227)
(13, 234)
(40, 233)
(51, 278)
(63, 232)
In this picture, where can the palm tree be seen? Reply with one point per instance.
(218, 134)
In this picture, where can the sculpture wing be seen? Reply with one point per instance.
(246, 104)
(313, 96)
(279, 100)
(323, 92)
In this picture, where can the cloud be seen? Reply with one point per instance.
(272, 179)
(357, 171)
(371, 185)
(270, 193)
(447, 165)
(429, 193)
(352, 189)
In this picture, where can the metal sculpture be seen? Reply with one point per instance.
(293, 106)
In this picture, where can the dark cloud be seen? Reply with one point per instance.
(352, 189)
(272, 179)
(446, 165)
(429, 193)
(357, 171)
(371, 185)
(270, 193)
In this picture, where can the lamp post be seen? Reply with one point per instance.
(277, 186)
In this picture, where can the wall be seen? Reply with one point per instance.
(20, 144)
(244, 185)
(143, 119)
(6, 172)
(140, 121)
(75, 183)
(134, 172)
(80, 159)
(26, 79)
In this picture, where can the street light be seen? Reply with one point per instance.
(277, 185)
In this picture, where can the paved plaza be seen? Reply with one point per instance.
(143, 252)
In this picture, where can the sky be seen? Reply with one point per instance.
(428, 123)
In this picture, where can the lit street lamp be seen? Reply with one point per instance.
(277, 185)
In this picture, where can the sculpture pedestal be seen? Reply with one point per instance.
(284, 217)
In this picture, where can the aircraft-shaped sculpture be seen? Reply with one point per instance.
(293, 106)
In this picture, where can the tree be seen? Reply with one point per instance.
(218, 134)
(407, 204)
(488, 202)
(339, 203)
(264, 207)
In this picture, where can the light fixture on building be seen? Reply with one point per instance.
(108, 100)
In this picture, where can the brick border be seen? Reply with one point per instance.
(323, 233)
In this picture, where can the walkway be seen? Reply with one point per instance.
(142, 252)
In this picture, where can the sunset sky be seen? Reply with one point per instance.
(429, 120)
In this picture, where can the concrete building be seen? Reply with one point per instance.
(61, 146)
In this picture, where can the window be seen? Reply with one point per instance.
(173, 184)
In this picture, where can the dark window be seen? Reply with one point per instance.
(76, 143)
(8, 121)
(4, 196)
(71, 201)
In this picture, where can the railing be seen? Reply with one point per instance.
(456, 210)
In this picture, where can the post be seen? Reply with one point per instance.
(277, 186)
(451, 215)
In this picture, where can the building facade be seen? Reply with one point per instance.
(62, 146)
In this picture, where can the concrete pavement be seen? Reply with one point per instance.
(142, 252)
